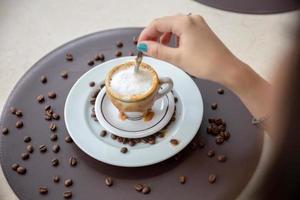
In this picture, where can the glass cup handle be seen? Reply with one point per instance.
(162, 92)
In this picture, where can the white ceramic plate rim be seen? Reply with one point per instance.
(185, 128)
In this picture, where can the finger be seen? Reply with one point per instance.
(165, 38)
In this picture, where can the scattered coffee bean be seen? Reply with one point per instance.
(21, 170)
(43, 148)
(220, 91)
(68, 182)
(130, 53)
(119, 44)
(55, 162)
(212, 178)
(13, 110)
(219, 140)
(40, 98)
(73, 161)
(91, 63)
(99, 57)
(25, 156)
(211, 153)
(124, 150)
(138, 187)
(68, 195)
(146, 190)
(43, 190)
(5, 131)
(43, 79)
(219, 121)
(95, 119)
(53, 137)
(68, 139)
(182, 179)
(92, 101)
(161, 135)
(29, 148)
(64, 74)
(211, 120)
(118, 53)
(27, 139)
(55, 116)
(55, 148)
(93, 114)
(114, 137)
(214, 106)
(19, 124)
(222, 158)
(135, 40)
(174, 142)
(69, 57)
(103, 133)
(95, 93)
(47, 117)
(108, 181)
(131, 143)
(226, 135)
(19, 113)
(92, 84)
(14, 166)
(152, 141)
(175, 99)
(52, 127)
(47, 107)
(56, 179)
(52, 95)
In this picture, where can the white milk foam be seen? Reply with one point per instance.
(127, 82)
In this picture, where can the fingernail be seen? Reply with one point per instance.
(142, 47)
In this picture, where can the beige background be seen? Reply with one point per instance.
(29, 29)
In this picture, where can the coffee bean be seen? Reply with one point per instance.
(43, 79)
(103, 133)
(43, 190)
(29, 148)
(174, 142)
(43, 148)
(130, 53)
(175, 99)
(114, 137)
(211, 120)
(52, 95)
(99, 57)
(19, 113)
(13, 110)
(93, 114)
(131, 143)
(226, 135)
(135, 40)
(4, 131)
(182, 179)
(211, 153)
(222, 128)
(47, 117)
(95, 119)
(120, 139)
(222, 158)
(21, 170)
(146, 190)
(214, 106)
(137, 140)
(27, 139)
(40, 98)
(108, 181)
(91, 63)
(64, 74)
(152, 141)
(72, 161)
(138, 187)
(161, 135)
(55, 162)
(68, 182)
(220, 91)
(124, 150)
(52, 127)
(47, 107)
(56, 179)
(118, 53)
(92, 101)
(14, 166)
(55, 148)
(212, 178)
(55, 116)
(25, 156)
(219, 140)
(53, 137)
(68, 195)
(19, 124)
(69, 57)
(219, 121)
(95, 93)
(68, 139)
(92, 84)
(119, 44)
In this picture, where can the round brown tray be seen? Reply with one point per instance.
(254, 6)
(243, 148)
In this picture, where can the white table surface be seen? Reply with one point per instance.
(29, 29)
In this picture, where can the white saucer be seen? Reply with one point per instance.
(85, 131)
(108, 116)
